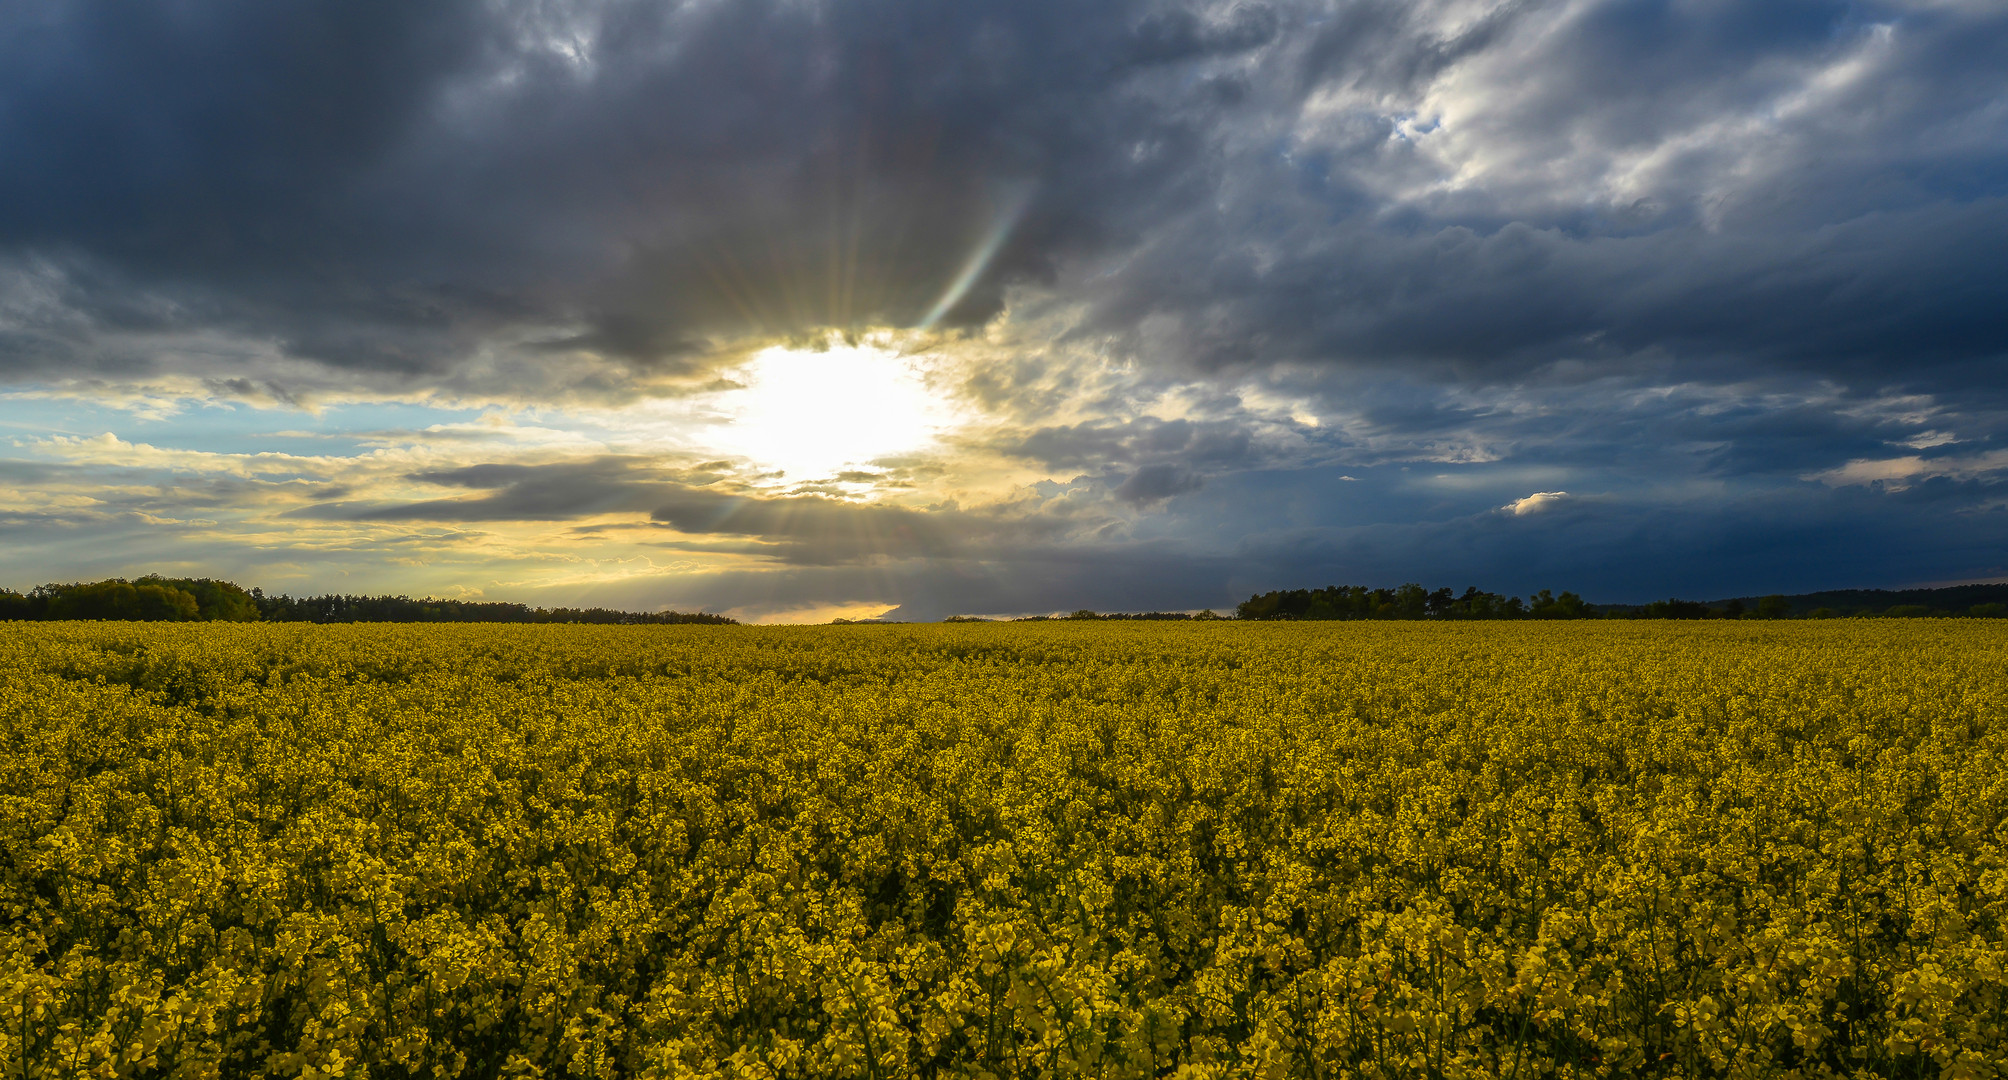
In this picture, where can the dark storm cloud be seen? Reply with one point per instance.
(1757, 542)
(394, 189)
(1649, 246)
(1813, 186)
(1897, 296)
(391, 188)
(1213, 443)
(1757, 428)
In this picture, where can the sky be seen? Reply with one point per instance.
(803, 309)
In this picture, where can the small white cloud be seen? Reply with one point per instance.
(1534, 503)
(1895, 474)
(1868, 471)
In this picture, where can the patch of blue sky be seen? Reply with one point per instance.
(223, 427)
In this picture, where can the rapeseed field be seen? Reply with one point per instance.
(1110, 850)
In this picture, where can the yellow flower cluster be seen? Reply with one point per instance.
(1110, 850)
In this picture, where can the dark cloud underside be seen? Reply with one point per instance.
(1733, 269)
(395, 187)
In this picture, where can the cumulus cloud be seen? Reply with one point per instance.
(1535, 503)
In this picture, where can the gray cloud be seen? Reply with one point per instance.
(1671, 253)
(1156, 483)
(1222, 443)
(790, 528)
(397, 192)
(561, 491)
(392, 191)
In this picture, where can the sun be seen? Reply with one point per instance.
(813, 413)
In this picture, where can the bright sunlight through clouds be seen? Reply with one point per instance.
(813, 413)
(806, 310)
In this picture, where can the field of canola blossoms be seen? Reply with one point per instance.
(1114, 850)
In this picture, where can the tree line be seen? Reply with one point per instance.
(1412, 601)
(155, 598)
(1409, 601)
(161, 599)
(149, 599)
(347, 609)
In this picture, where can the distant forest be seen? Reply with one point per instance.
(1982, 601)
(1410, 601)
(1415, 602)
(161, 599)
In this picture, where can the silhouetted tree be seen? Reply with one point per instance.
(214, 600)
(1411, 601)
(1548, 606)
(119, 599)
(1674, 608)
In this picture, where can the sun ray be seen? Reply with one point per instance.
(1010, 208)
